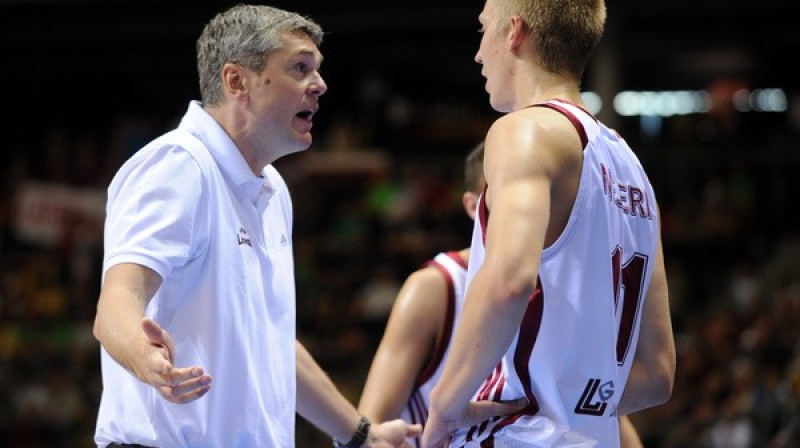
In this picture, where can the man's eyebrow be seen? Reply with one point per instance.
(308, 52)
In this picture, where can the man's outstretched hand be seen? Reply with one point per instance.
(156, 367)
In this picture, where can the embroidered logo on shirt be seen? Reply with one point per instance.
(284, 240)
(243, 238)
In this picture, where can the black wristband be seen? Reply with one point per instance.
(359, 437)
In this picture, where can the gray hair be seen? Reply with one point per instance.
(244, 34)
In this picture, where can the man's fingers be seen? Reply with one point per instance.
(181, 385)
(484, 410)
(193, 394)
(414, 430)
(187, 375)
(178, 385)
(192, 389)
(186, 385)
(512, 406)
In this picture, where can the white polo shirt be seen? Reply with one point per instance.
(188, 207)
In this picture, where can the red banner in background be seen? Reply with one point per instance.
(48, 213)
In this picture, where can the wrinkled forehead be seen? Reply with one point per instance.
(301, 41)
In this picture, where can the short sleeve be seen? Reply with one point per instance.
(152, 211)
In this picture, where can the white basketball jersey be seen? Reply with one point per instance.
(454, 268)
(573, 351)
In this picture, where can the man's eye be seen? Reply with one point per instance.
(302, 67)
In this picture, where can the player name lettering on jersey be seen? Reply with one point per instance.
(631, 199)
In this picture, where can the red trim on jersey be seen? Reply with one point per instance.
(528, 333)
(579, 107)
(483, 212)
(497, 385)
(483, 395)
(456, 256)
(447, 325)
(570, 116)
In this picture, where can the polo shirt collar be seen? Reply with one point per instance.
(199, 123)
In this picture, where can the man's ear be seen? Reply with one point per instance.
(233, 79)
(470, 201)
(517, 32)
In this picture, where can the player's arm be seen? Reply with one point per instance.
(628, 436)
(522, 159)
(653, 371)
(411, 333)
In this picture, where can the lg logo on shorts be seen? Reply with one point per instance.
(594, 397)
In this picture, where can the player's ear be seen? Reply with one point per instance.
(470, 202)
(517, 32)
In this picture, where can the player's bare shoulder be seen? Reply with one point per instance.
(536, 139)
(424, 293)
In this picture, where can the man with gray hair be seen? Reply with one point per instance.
(196, 314)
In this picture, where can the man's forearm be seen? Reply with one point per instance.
(320, 402)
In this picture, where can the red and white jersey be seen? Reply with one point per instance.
(454, 269)
(573, 351)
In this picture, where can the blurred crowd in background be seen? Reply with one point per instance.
(371, 207)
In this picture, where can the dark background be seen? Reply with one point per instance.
(86, 83)
(91, 59)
